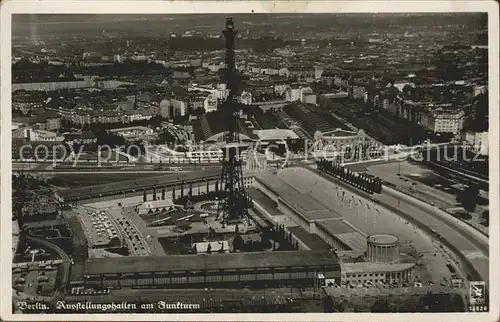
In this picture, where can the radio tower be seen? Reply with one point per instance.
(234, 203)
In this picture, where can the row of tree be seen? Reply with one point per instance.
(360, 180)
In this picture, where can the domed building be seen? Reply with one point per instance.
(334, 143)
(381, 262)
(382, 248)
(340, 137)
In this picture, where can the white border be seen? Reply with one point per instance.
(171, 7)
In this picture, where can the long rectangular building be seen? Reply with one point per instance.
(280, 267)
(310, 208)
(302, 208)
(341, 235)
(311, 214)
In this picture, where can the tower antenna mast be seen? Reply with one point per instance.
(235, 202)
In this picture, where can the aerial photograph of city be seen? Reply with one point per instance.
(250, 163)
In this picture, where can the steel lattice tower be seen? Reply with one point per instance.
(234, 202)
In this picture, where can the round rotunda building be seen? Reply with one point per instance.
(382, 248)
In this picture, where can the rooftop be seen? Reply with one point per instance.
(340, 133)
(212, 261)
(355, 240)
(275, 134)
(312, 241)
(262, 199)
(132, 128)
(156, 204)
(367, 267)
(213, 123)
(383, 239)
(303, 203)
(45, 223)
(344, 232)
(335, 226)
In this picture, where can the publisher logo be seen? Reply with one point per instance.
(477, 292)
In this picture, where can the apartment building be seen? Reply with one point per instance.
(443, 121)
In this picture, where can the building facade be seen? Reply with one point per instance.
(477, 142)
(442, 121)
